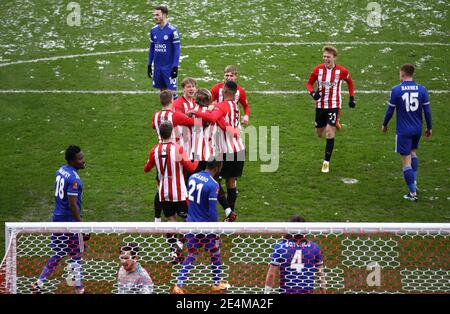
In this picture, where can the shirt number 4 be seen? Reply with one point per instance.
(296, 262)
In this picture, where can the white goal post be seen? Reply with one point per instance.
(357, 257)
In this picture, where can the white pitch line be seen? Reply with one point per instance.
(144, 92)
(284, 44)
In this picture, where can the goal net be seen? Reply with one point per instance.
(357, 257)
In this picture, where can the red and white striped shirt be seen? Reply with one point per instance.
(241, 96)
(202, 145)
(329, 81)
(182, 105)
(177, 119)
(205, 138)
(229, 111)
(170, 161)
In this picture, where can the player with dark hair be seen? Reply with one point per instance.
(132, 277)
(410, 101)
(203, 190)
(164, 51)
(231, 146)
(171, 161)
(167, 113)
(177, 119)
(329, 76)
(231, 74)
(297, 260)
(68, 196)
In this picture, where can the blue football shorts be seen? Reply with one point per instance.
(162, 80)
(404, 144)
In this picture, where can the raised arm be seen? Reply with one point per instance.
(182, 119)
(211, 116)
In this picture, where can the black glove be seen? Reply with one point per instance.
(315, 95)
(351, 102)
(174, 73)
(149, 71)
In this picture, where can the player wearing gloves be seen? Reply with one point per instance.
(203, 190)
(164, 52)
(329, 76)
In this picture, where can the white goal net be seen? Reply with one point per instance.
(357, 257)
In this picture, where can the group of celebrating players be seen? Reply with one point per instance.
(199, 143)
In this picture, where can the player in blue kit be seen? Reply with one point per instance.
(410, 101)
(164, 51)
(298, 260)
(203, 191)
(68, 197)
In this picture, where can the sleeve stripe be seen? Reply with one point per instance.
(212, 199)
(426, 103)
(72, 194)
(176, 42)
(392, 105)
(275, 264)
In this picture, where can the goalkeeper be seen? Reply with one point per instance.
(203, 190)
(132, 277)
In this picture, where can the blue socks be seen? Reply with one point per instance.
(415, 166)
(408, 175)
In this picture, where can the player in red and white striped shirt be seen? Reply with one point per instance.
(231, 145)
(184, 104)
(177, 119)
(329, 77)
(171, 160)
(205, 137)
(169, 114)
(230, 74)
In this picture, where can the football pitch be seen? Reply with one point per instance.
(86, 84)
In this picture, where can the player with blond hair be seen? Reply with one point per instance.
(329, 77)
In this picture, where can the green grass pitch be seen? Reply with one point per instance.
(277, 44)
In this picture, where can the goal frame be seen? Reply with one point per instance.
(311, 228)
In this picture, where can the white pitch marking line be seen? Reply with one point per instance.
(140, 92)
(355, 43)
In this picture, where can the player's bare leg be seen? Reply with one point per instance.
(320, 132)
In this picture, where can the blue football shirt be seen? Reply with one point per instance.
(298, 262)
(409, 99)
(164, 47)
(203, 191)
(67, 183)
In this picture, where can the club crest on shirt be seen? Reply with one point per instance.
(166, 37)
